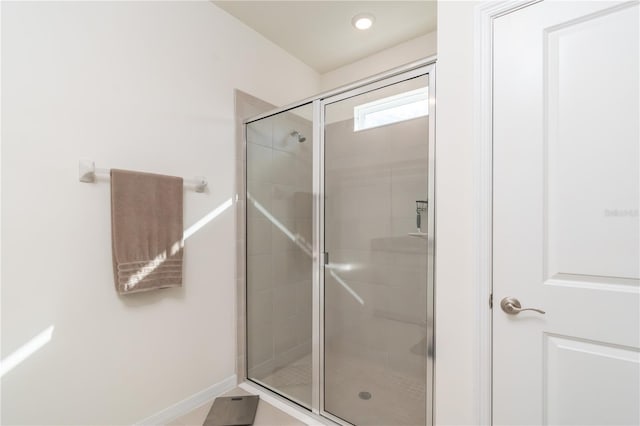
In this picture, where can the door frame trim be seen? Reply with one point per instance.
(484, 16)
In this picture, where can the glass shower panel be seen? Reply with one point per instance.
(279, 275)
(375, 300)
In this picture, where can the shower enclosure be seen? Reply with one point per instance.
(339, 250)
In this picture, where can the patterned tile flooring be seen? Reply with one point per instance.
(396, 399)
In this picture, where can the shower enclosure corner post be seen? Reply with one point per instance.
(431, 246)
(318, 271)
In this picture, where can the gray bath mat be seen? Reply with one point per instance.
(233, 411)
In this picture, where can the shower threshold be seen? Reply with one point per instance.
(283, 404)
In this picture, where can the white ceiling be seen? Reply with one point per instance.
(320, 33)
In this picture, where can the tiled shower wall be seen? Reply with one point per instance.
(373, 179)
(279, 198)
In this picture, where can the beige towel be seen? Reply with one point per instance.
(146, 231)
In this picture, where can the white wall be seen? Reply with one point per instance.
(404, 53)
(137, 85)
(149, 86)
(455, 307)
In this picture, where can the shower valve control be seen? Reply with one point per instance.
(421, 207)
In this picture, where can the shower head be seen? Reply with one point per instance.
(299, 135)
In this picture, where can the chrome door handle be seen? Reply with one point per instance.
(512, 306)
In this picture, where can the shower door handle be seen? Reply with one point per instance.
(512, 306)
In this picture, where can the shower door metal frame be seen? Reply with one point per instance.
(411, 70)
(427, 69)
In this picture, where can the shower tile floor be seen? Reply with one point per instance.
(292, 380)
(396, 399)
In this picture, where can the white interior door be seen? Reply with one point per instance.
(566, 225)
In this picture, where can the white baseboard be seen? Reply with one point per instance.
(191, 403)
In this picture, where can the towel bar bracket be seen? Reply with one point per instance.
(87, 171)
(200, 183)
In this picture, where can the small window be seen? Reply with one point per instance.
(393, 109)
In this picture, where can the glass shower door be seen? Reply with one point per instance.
(376, 147)
(279, 253)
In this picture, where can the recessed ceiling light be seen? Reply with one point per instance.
(363, 21)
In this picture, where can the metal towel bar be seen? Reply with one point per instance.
(88, 172)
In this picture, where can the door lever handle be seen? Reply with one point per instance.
(512, 306)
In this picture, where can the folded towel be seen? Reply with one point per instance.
(146, 231)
